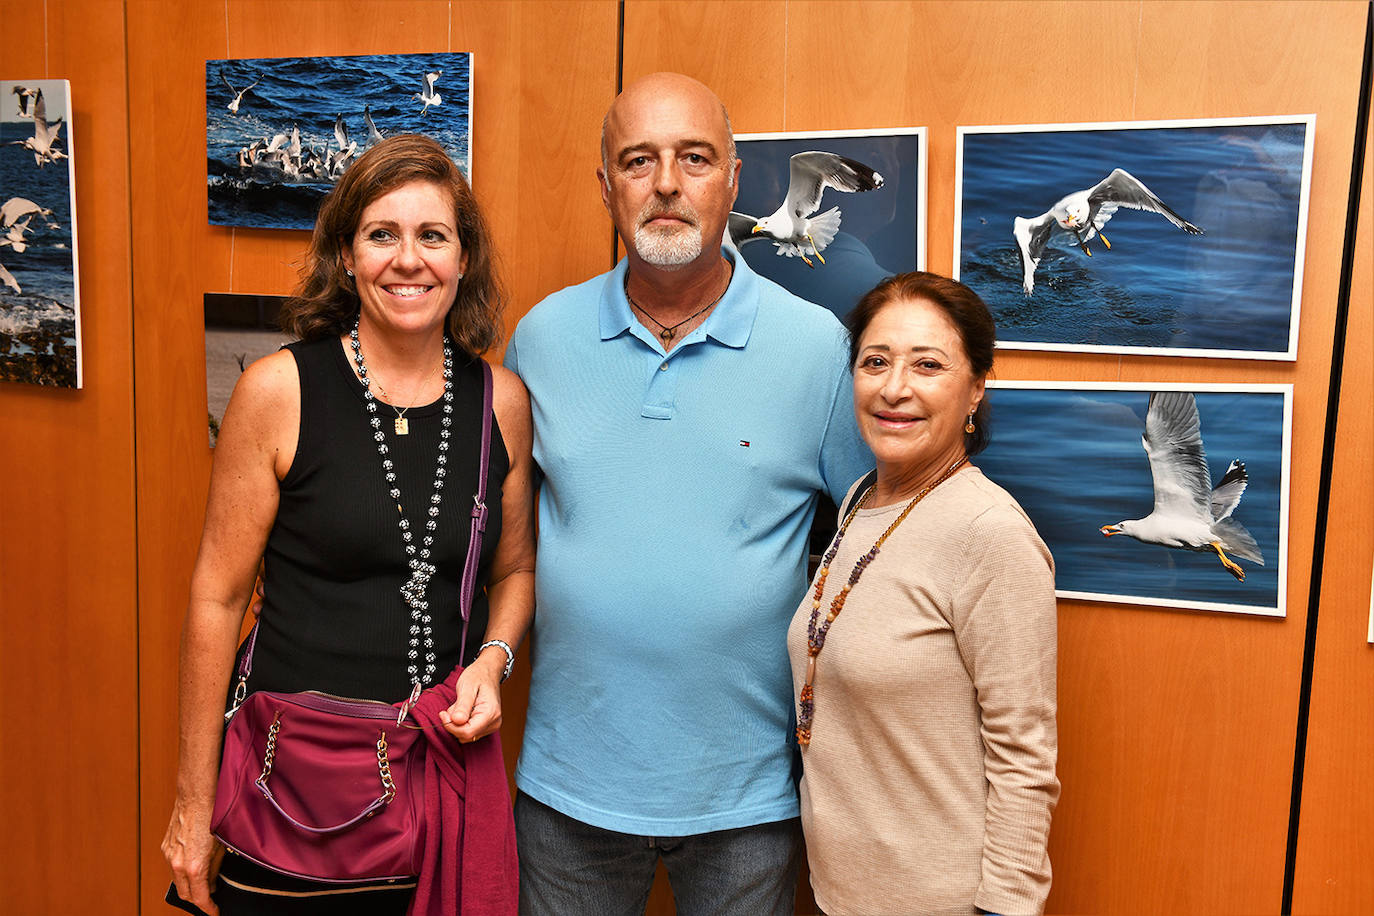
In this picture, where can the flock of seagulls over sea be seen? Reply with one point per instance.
(17, 213)
(792, 228)
(1189, 513)
(282, 157)
(1082, 214)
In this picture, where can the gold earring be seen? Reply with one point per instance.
(969, 427)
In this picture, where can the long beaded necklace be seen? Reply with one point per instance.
(815, 635)
(413, 592)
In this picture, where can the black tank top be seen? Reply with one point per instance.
(333, 617)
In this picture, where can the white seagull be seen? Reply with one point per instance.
(1189, 513)
(791, 227)
(233, 106)
(14, 235)
(429, 97)
(1082, 215)
(45, 135)
(373, 134)
(25, 95)
(7, 278)
(18, 207)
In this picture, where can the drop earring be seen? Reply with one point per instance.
(968, 426)
(347, 271)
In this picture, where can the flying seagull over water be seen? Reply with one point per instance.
(238, 93)
(791, 227)
(17, 208)
(45, 135)
(26, 95)
(14, 235)
(7, 278)
(1082, 215)
(1189, 513)
(429, 97)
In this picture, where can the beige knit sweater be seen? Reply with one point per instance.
(929, 781)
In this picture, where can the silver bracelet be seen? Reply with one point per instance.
(505, 647)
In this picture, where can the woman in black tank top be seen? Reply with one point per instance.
(332, 456)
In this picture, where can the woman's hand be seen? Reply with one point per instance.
(477, 710)
(193, 854)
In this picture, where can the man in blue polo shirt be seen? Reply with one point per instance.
(687, 413)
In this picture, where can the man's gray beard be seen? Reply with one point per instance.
(668, 250)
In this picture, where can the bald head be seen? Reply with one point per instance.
(655, 95)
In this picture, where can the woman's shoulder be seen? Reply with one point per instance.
(993, 513)
(270, 381)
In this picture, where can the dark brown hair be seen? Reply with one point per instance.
(964, 309)
(326, 302)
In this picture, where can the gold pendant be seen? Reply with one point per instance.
(402, 426)
(666, 335)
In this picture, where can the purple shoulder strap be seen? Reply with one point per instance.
(475, 537)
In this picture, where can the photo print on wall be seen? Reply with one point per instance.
(40, 302)
(239, 329)
(828, 214)
(1203, 254)
(1158, 494)
(280, 131)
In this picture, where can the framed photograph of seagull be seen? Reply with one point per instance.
(1203, 254)
(280, 131)
(828, 214)
(40, 300)
(1158, 494)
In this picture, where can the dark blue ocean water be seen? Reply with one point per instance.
(878, 229)
(1074, 461)
(1230, 289)
(309, 92)
(44, 270)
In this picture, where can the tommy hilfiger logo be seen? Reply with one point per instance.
(744, 443)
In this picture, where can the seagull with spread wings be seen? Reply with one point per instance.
(238, 94)
(429, 97)
(1189, 513)
(1082, 215)
(43, 143)
(792, 228)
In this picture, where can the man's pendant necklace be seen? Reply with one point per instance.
(670, 331)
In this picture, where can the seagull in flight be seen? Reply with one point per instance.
(26, 95)
(792, 228)
(45, 135)
(1189, 513)
(1082, 215)
(14, 235)
(429, 97)
(7, 278)
(16, 208)
(238, 93)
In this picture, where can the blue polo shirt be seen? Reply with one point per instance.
(677, 494)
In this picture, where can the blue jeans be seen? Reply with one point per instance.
(568, 868)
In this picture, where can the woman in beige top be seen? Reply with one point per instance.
(924, 656)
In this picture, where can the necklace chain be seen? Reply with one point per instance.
(668, 332)
(816, 631)
(414, 591)
(401, 424)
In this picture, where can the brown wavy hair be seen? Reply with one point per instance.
(326, 301)
(965, 310)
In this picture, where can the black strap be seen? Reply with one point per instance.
(865, 482)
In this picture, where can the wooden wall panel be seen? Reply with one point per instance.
(1176, 727)
(1335, 841)
(68, 618)
(543, 75)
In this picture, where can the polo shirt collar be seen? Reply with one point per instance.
(730, 322)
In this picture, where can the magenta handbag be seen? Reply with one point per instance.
(322, 787)
(329, 788)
